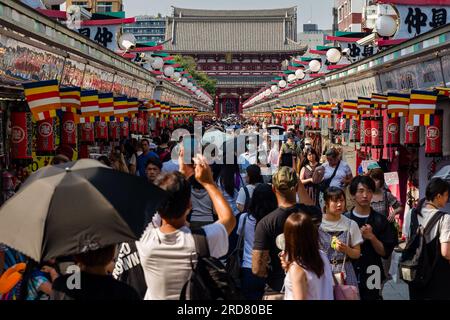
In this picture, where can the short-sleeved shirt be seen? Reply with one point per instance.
(249, 238)
(241, 195)
(342, 171)
(443, 225)
(269, 228)
(167, 258)
(343, 225)
(392, 202)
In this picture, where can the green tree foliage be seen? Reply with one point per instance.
(188, 64)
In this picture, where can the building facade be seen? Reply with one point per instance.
(349, 15)
(147, 28)
(313, 37)
(97, 6)
(242, 49)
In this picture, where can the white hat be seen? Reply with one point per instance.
(152, 146)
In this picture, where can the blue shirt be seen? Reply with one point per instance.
(142, 161)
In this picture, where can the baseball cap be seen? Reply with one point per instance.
(152, 146)
(285, 178)
(373, 165)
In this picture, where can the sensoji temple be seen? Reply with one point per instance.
(242, 49)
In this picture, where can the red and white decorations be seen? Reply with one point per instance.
(101, 130)
(45, 137)
(433, 137)
(393, 132)
(411, 135)
(68, 129)
(21, 135)
(87, 133)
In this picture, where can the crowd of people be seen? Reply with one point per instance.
(298, 221)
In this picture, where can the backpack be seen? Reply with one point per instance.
(209, 279)
(233, 263)
(416, 267)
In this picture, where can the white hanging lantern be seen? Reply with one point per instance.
(190, 85)
(282, 84)
(184, 82)
(158, 63)
(176, 76)
(268, 92)
(315, 65)
(386, 26)
(274, 88)
(193, 88)
(291, 77)
(300, 74)
(169, 71)
(333, 55)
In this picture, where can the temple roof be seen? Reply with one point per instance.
(235, 31)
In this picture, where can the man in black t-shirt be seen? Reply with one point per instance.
(380, 239)
(265, 261)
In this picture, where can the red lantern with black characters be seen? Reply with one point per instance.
(411, 135)
(101, 130)
(68, 129)
(87, 133)
(21, 135)
(342, 124)
(433, 137)
(393, 132)
(124, 129)
(377, 132)
(45, 137)
(114, 132)
(366, 132)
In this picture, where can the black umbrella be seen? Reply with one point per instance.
(76, 207)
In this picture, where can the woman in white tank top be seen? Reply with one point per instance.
(309, 275)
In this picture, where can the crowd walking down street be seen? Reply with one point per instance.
(170, 232)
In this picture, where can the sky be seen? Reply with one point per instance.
(316, 11)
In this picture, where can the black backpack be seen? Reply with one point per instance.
(209, 279)
(416, 265)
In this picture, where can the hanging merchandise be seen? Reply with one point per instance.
(393, 132)
(45, 137)
(124, 129)
(411, 135)
(366, 132)
(355, 130)
(433, 137)
(114, 130)
(68, 129)
(87, 133)
(101, 130)
(21, 135)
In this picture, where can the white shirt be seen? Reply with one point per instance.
(241, 195)
(249, 238)
(317, 288)
(343, 225)
(443, 225)
(166, 257)
(343, 171)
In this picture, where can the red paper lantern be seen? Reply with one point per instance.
(101, 130)
(21, 135)
(377, 132)
(87, 133)
(68, 129)
(433, 138)
(114, 131)
(124, 129)
(393, 132)
(366, 132)
(411, 135)
(342, 124)
(45, 137)
(355, 131)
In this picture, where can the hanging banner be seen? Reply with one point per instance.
(134, 124)
(114, 130)
(45, 137)
(393, 132)
(87, 132)
(21, 135)
(68, 129)
(366, 132)
(433, 138)
(101, 130)
(142, 122)
(355, 130)
(411, 135)
(124, 129)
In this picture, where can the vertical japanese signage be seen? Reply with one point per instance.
(103, 35)
(416, 19)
